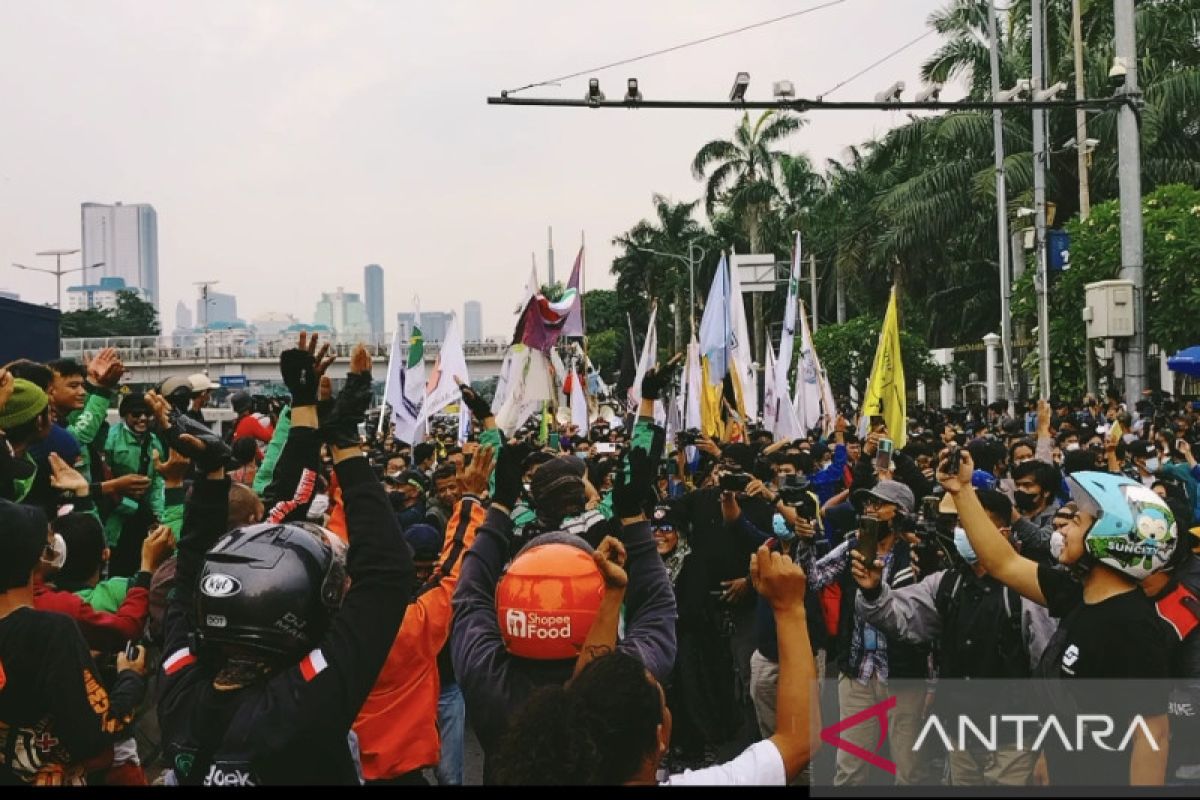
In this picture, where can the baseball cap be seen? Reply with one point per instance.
(201, 382)
(888, 492)
(175, 387)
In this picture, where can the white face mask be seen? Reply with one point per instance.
(59, 546)
(1152, 465)
(1072, 446)
(1058, 545)
(963, 545)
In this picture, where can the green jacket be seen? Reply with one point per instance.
(124, 453)
(106, 596)
(266, 470)
(85, 423)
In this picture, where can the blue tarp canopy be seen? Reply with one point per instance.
(1186, 361)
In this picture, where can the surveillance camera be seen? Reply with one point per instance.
(890, 94)
(1116, 75)
(930, 93)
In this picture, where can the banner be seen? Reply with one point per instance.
(442, 388)
(885, 390)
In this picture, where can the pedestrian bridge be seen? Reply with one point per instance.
(238, 359)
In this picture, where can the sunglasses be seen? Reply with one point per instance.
(140, 414)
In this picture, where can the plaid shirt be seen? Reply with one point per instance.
(873, 662)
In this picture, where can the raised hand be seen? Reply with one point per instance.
(7, 385)
(509, 474)
(474, 479)
(174, 470)
(480, 408)
(610, 560)
(360, 360)
(105, 368)
(955, 483)
(866, 577)
(157, 548)
(657, 379)
(778, 579)
(339, 427)
(161, 408)
(301, 368)
(65, 478)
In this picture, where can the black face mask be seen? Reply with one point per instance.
(1025, 502)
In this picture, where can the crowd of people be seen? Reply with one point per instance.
(300, 601)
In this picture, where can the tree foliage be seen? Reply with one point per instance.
(1171, 240)
(133, 316)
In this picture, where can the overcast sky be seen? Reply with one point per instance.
(287, 143)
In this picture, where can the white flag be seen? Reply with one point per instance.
(579, 407)
(693, 382)
(714, 325)
(442, 389)
(527, 387)
(788, 337)
(779, 416)
(645, 363)
(407, 388)
(392, 395)
(808, 380)
(740, 355)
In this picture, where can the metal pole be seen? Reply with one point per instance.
(1001, 210)
(812, 268)
(840, 288)
(691, 293)
(58, 281)
(1130, 178)
(1039, 201)
(1085, 200)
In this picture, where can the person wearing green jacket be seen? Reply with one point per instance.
(131, 449)
(80, 399)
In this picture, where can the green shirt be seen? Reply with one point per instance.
(106, 596)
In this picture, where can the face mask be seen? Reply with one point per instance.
(1072, 446)
(59, 548)
(1058, 545)
(1025, 501)
(780, 527)
(963, 545)
(1019, 461)
(1152, 464)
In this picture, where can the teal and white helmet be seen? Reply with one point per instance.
(1134, 532)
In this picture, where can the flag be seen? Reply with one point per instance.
(451, 364)
(406, 387)
(531, 289)
(575, 324)
(542, 322)
(714, 326)
(788, 337)
(885, 390)
(829, 410)
(741, 357)
(694, 383)
(391, 387)
(808, 380)
(645, 363)
(779, 416)
(526, 378)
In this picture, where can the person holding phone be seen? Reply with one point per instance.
(865, 656)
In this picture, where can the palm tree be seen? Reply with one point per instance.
(744, 170)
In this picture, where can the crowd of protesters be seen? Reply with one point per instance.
(297, 603)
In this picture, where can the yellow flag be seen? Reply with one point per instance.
(885, 390)
(712, 423)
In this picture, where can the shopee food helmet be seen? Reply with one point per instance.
(1135, 531)
(270, 588)
(548, 598)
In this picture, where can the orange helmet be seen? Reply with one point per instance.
(548, 599)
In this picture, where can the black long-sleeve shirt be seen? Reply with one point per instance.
(293, 727)
(55, 716)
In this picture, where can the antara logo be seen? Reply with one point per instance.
(1098, 726)
(878, 711)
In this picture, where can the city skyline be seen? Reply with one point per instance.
(373, 294)
(275, 169)
(123, 240)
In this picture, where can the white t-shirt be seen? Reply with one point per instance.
(760, 764)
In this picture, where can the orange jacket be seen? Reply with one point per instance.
(397, 725)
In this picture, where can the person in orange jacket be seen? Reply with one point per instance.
(397, 725)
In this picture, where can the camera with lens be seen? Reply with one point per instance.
(735, 482)
(687, 437)
(794, 490)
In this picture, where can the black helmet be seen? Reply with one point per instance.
(271, 588)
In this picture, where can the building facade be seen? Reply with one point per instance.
(124, 238)
(342, 312)
(221, 310)
(373, 296)
(472, 321)
(97, 295)
(433, 324)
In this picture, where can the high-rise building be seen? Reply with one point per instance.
(97, 295)
(343, 313)
(222, 309)
(472, 321)
(183, 317)
(433, 325)
(273, 323)
(125, 239)
(373, 296)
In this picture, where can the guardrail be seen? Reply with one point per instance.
(221, 347)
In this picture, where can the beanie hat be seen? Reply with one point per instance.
(557, 473)
(425, 540)
(133, 402)
(27, 401)
(548, 598)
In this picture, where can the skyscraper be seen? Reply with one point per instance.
(433, 325)
(222, 308)
(343, 313)
(125, 239)
(373, 296)
(183, 317)
(472, 321)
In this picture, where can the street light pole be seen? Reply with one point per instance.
(691, 264)
(57, 272)
(1040, 157)
(1129, 173)
(1001, 207)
